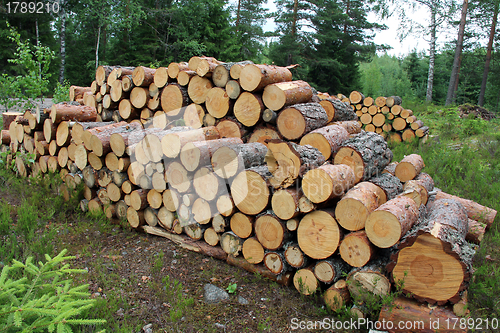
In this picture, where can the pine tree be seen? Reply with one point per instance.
(249, 21)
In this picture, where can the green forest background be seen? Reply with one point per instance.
(332, 41)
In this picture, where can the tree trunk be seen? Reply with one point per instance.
(432, 52)
(252, 250)
(450, 96)
(242, 225)
(488, 54)
(174, 97)
(66, 112)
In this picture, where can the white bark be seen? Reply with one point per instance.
(432, 52)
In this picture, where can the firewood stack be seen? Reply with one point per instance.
(237, 161)
(386, 116)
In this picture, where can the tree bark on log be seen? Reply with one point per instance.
(227, 161)
(474, 210)
(327, 140)
(276, 263)
(288, 161)
(256, 77)
(366, 153)
(391, 185)
(337, 110)
(284, 279)
(353, 209)
(327, 182)
(331, 270)
(387, 224)
(198, 153)
(435, 255)
(337, 295)
(409, 167)
(300, 119)
(282, 94)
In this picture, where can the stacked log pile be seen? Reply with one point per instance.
(237, 161)
(386, 116)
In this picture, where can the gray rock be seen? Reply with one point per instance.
(220, 326)
(214, 294)
(242, 301)
(147, 328)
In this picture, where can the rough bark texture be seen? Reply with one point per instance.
(338, 110)
(391, 185)
(256, 77)
(227, 161)
(287, 161)
(300, 119)
(282, 94)
(366, 153)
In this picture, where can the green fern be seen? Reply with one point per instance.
(41, 297)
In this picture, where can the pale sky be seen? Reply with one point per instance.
(389, 36)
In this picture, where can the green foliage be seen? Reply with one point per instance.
(61, 92)
(40, 297)
(232, 288)
(9, 91)
(33, 64)
(180, 304)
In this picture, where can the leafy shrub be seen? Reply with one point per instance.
(61, 92)
(41, 297)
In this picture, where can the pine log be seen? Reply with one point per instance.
(250, 191)
(476, 232)
(193, 115)
(327, 140)
(319, 234)
(369, 280)
(66, 112)
(269, 116)
(422, 131)
(211, 237)
(143, 76)
(248, 108)
(337, 295)
(242, 225)
(351, 126)
(207, 184)
(76, 92)
(222, 73)
(178, 178)
(161, 77)
(408, 135)
(171, 200)
(139, 97)
(227, 161)
(198, 89)
(294, 256)
(263, 133)
(282, 94)
(127, 110)
(327, 182)
(300, 119)
(102, 73)
(225, 205)
(434, 259)
(399, 124)
(417, 124)
(391, 185)
(337, 110)
(256, 77)
(252, 251)
(5, 137)
(231, 128)
(135, 218)
(287, 161)
(174, 97)
(331, 270)
(233, 89)
(276, 263)
(271, 231)
(366, 153)
(284, 279)
(423, 318)
(305, 282)
(198, 153)
(409, 167)
(387, 224)
(185, 77)
(285, 203)
(356, 97)
(353, 209)
(218, 103)
(230, 243)
(474, 210)
(175, 67)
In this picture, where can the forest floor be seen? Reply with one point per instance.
(139, 280)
